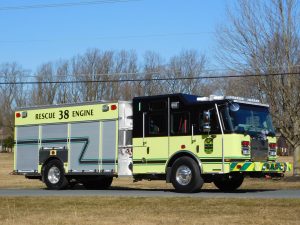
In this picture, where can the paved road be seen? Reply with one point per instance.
(290, 194)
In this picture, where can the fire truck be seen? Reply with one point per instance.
(183, 139)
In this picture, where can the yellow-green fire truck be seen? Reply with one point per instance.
(184, 139)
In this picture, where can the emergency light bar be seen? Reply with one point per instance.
(210, 98)
(242, 99)
(216, 97)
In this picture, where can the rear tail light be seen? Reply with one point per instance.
(245, 147)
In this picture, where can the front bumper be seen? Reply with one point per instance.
(264, 167)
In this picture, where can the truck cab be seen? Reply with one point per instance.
(218, 139)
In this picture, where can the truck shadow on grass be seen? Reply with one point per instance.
(170, 190)
(200, 191)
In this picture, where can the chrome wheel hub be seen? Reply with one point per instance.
(183, 175)
(54, 175)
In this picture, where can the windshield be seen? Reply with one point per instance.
(249, 119)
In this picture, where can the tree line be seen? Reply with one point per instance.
(90, 69)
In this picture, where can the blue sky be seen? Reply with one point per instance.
(35, 36)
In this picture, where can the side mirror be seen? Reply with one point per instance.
(206, 121)
(234, 107)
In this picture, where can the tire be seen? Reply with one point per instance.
(186, 176)
(54, 175)
(229, 182)
(97, 183)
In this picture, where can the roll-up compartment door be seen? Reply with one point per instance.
(27, 147)
(109, 144)
(84, 142)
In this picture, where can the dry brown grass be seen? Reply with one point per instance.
(138, 210)
(124, 210)
(14, 181)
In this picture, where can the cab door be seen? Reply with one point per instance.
(156, 140)
(182, 137)
(151, 151)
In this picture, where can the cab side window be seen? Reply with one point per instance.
(157, 124)
(180, 123)
(214, 122)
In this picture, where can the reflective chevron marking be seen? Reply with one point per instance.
(260, 166)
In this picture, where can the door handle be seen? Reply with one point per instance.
(148, 150)
(193, 140)
(144, 141)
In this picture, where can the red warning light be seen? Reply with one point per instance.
(273, 145)
(18, 115)
(113, 107)
(182, 146)
(245, 143)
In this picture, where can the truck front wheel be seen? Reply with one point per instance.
(53, 175)
(185, 175)
(229, 182)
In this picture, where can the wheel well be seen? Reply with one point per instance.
(181, 154)
(50, 159)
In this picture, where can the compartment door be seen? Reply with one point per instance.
(27, 148)
(84, 147)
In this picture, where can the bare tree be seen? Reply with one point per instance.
(237, 86)
(45, 93)
(263, 37)
(64, 89)
(11, 94)
(125, 68)
(152, 68)
(93, 67)
(188, 64)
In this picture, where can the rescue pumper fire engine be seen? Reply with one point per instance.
(184, 139)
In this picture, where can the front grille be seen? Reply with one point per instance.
(259, 150)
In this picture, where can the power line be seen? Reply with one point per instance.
(64, 4)
(76, 75)
(149, 80)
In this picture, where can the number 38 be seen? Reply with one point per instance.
(63, 114)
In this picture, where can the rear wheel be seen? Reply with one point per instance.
(186, 176)
(97, 183)
(53, 175)
(230, 182)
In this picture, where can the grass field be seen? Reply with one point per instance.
(111, 210)
(142, 210)
(14, 181)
